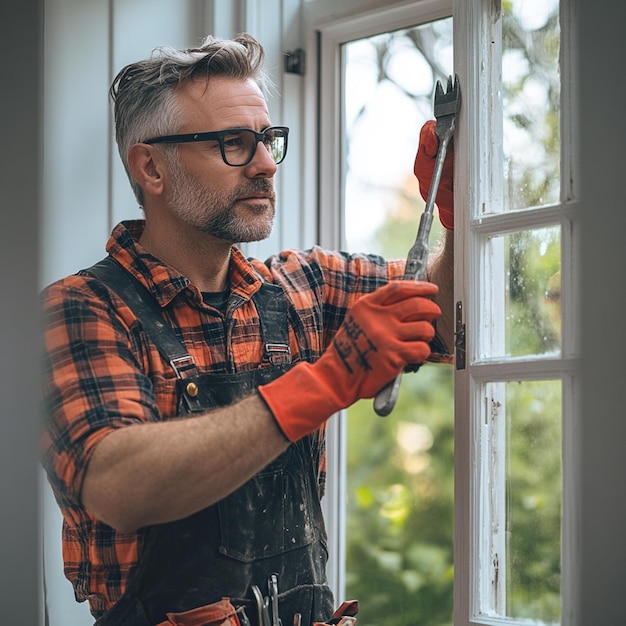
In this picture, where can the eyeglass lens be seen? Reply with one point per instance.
(239, 146)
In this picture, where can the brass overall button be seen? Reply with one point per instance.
(192, 389)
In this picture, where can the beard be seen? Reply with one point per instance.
(216, 213)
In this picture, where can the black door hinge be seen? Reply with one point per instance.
(459, 338)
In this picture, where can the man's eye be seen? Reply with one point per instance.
(233, 141)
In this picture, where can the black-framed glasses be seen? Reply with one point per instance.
(237, 145)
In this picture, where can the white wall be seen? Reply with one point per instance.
(85, 187)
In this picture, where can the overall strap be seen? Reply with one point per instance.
(270, 302)
(271, 306)
(145, 307)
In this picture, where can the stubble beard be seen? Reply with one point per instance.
(216, 213)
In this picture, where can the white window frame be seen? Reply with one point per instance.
(478, 161)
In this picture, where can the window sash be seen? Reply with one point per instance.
(479, 582)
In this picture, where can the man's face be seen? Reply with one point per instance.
(236, 204)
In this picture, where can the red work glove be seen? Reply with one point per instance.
(425, 166)
(382, 333)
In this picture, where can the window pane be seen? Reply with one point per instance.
(518, 563)
(525, 319)
(389, 86)
(531, 93)
(399, 533)
(533, 524)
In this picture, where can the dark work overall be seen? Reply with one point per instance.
(272, 524)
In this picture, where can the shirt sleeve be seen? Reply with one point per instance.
(349, 276)
(331, 281)
(92, 382)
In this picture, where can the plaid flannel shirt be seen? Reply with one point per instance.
(100, 372)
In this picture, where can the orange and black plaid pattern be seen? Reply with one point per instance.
(100, 372)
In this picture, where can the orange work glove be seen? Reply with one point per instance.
(382, 333)
(424, 167)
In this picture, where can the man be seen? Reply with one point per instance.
(188, 466)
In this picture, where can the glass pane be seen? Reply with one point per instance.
(389, 86)
(533, 519)
(529, 310)
(399, 529)
(531, 93)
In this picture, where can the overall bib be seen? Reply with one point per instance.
(272, 524)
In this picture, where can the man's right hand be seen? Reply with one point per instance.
(382, 333)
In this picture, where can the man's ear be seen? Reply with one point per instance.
(147, 166)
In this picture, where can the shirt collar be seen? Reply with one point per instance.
(162, 280)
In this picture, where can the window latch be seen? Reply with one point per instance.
(295, 61)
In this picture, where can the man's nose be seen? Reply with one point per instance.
(262, 163)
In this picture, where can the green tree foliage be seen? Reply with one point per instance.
(400, 496)
(534, 517)
(534, 285)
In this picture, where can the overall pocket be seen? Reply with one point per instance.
(271, 514)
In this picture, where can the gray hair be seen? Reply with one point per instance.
(143, 93)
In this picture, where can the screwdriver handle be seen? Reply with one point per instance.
(387, 397)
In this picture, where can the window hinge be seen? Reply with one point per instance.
(459, 337)
(295, 61)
